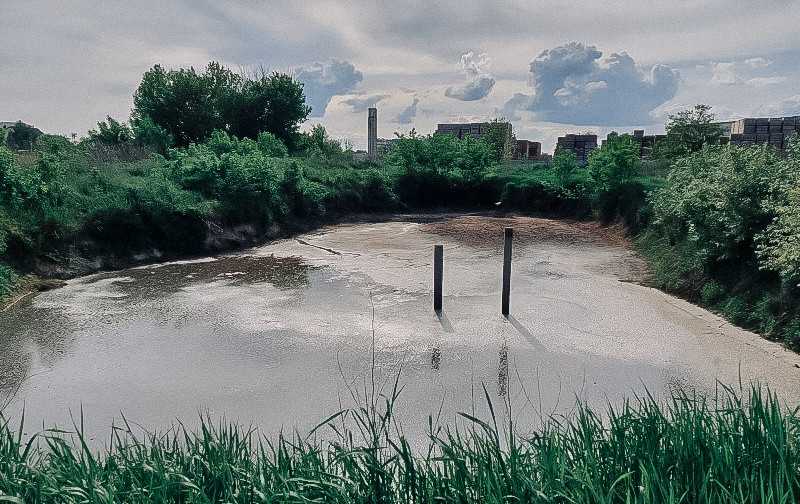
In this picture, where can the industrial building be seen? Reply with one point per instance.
(475, 130)
(774, 131)
(646, 142)
(581, 145)
(526, 149)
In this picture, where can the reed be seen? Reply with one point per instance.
(689, 449)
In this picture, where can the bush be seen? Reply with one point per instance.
(564, 164)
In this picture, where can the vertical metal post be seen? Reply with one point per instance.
(438, 273)
(509, 238)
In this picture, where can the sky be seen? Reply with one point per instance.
(551, 67)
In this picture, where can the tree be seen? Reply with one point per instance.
(564, 165)
(271, 145)
(23, 135)
(111, 132)
(190, 105)
(187, 104)
(318, 142)
(688, 131)
(152, 136)
(615, 163)
(500, 139)
(274, 103)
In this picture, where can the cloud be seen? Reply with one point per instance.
(758, 62)
(322, 81)
(479, 82)
(787, 107)
(363, 102)
(407, 115)
(573, 84)
(724, 74)
(766, 81)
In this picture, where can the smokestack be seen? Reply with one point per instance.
(372, 133)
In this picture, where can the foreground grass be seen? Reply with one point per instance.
(689, 449)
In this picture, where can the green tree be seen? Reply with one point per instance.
(189, 105)
(318, 142)
(688, 131)
(274, 103)
(271, 145)
(152, 136)
(111, 132)
(500, 138)
(564, 164)
(23, 135)
(615, 163)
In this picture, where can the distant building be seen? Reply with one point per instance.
(581, 145)
(646, 142)
(384, 145)
(376, 147)
(372, 133)
(526, 149)
(774, 131)
(475, 130)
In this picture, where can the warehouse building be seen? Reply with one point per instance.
(581, 145)
(774, 131)
(646, 142)
(527, 149)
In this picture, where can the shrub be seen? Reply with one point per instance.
(271, 146)
(564, 164)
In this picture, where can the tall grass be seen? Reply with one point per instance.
(689, 449)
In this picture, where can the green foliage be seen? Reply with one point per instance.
(22, 136)
(271, 146)
(8, 278)
(687, 132)
(189, 105)
(615, 163)
(111, 132)
(441, 170)
(150, 135)
(317, 143)
(779, 244)
(564, 165)
(685, 449)
(500, 139)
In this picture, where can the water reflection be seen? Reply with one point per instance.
(502, 371)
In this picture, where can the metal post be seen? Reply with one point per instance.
(438, 273)
(509, 238)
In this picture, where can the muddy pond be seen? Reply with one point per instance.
(281, 336)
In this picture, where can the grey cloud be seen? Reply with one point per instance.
(407, 115)
(322, 81)
(362, 103)
(758, 62)
(572, 84)
(479, 82)
(787, 107)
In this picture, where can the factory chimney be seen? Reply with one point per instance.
(372, 133)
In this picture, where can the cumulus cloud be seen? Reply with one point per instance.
(787, 107)
(322, 81)
(733, 73)
(362, 103)
(574, 84)
(766, 81)
(407, 115)
(758, 62)
(724, 74)
(479, 82)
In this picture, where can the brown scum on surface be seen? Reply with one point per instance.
(481, 231)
